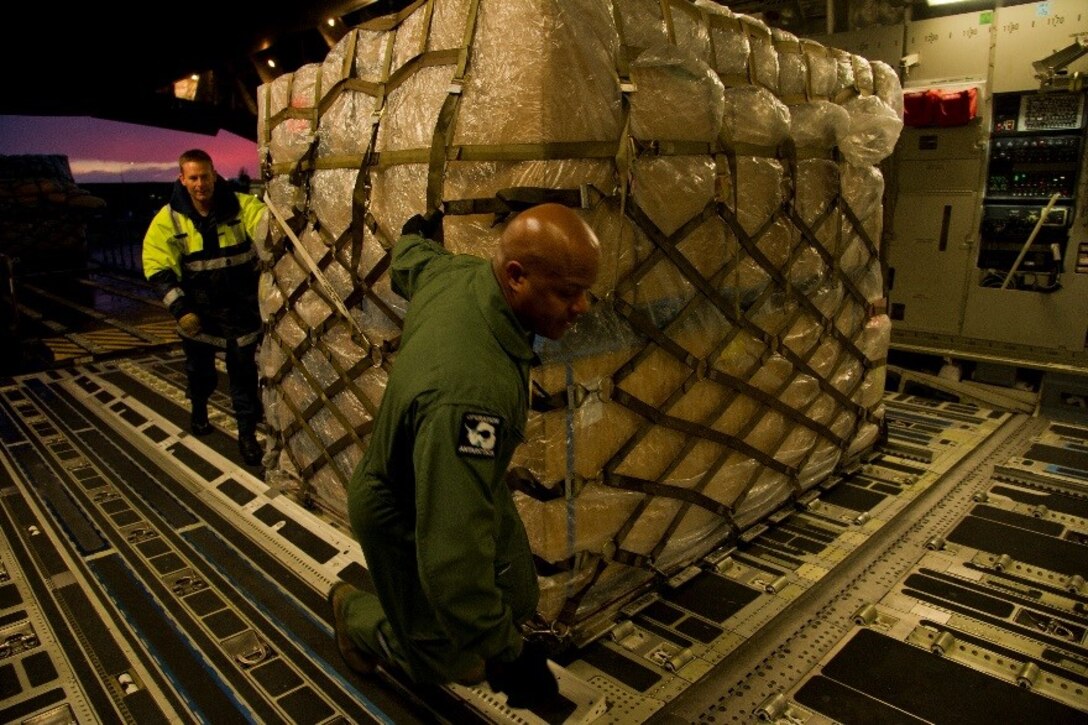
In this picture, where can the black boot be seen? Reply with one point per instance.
(198, 420)
(251, 450)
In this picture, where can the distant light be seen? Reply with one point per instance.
(331, 22)
(185, 88)
(271, 63)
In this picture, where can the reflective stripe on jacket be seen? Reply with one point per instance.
(216, 279)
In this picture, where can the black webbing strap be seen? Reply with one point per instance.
(377, 270)
(643, 324)
(363, 291)
(655, 416)
(542, 401)
(639, 561)
(301, 171)
(859, 228)
(514, 199)
(640, 323)
(570, 606)
(653, 147)
(361, 217)
(389, 21)
(770, 401)
(656, 488)
(661, 244)
(301, 417)
(803, 300)
(866, 365)
(443, 127)
(784, 350)
(519, 198)
(824, 384)
(519, 478)
(685, 266)
(809, 234)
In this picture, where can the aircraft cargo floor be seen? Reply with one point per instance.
(149, 576)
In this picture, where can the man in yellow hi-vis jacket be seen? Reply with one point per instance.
(199, 254)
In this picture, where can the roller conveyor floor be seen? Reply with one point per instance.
(74, 318)
(149, 576)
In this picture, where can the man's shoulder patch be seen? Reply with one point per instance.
(478, 435)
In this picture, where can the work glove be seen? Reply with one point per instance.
(527, 681)
(428, 226)
(190, 324)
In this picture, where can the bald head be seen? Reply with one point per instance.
(547, 260)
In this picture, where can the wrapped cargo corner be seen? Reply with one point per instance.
(44, 214)
(735, 353)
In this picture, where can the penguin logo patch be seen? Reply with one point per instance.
(478, 435)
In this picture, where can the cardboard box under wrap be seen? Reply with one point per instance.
(734, 355)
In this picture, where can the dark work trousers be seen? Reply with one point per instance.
(241, 370)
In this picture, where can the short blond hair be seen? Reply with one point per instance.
(197, 155)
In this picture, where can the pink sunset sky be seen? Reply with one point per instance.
(110, 151)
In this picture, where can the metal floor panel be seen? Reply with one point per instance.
(217, 623)
(150, 576)
(969, 606)
(76, 318)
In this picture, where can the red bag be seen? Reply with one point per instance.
(917, 108)
(956, 108)
(940, 108)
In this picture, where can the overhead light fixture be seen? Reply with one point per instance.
(271, 63)
(332, 30)
(186, 88)
(935, 3)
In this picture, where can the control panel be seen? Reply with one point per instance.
(1036, 146)
(1033, 167)
(1050, 111)
(1005, 227)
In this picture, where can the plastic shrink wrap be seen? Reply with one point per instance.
(734, 356)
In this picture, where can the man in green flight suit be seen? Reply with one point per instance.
(445, 548)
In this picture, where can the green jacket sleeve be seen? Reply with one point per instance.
(412, 256)
(460, 516)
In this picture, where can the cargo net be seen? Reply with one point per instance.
(734, 356)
